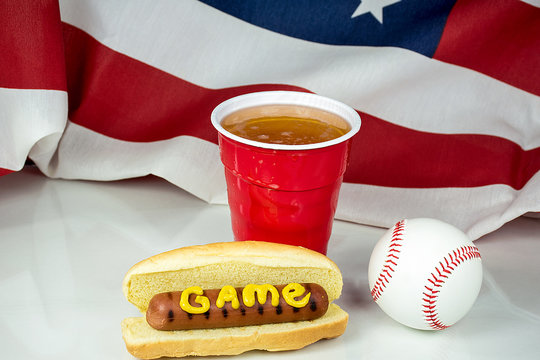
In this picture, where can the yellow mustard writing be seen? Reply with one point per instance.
(290, 294)
(201, 300)
(228, 293)
(292, 291)
(248, 294)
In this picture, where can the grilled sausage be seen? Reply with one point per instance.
(165, 311)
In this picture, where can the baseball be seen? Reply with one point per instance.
(425, 273)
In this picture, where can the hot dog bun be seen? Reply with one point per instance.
(145, 342)
(238, 264)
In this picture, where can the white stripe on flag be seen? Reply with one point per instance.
(475, 210)
(185, 161)
(26, 116)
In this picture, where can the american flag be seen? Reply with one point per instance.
(448, 92)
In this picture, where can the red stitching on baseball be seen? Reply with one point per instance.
(446, 266)
(391, 261)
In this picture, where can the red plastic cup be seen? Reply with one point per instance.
(284, 193)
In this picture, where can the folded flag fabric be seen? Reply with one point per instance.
(448, 92)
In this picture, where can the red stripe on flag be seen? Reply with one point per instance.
(385, 154)
(499, 38)
(126, 99)
(32, 53)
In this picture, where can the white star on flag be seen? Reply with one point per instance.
(375, 7)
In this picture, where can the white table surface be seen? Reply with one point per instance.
(65, 247)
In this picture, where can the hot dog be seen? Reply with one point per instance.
(165, 311)
(213, 299)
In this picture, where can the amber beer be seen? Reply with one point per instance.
(285, 124)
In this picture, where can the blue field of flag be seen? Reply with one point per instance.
(416, 25)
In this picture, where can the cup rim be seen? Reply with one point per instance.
(285, 98)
